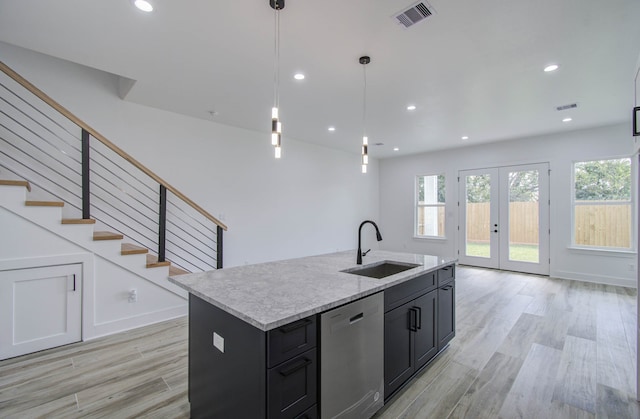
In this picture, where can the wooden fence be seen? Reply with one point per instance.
(595, 225)
(603, 225)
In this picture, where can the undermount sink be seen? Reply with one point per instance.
(381, 269)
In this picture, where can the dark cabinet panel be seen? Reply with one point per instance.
(228, 367)
(290, 340)
(310, 413)
(407, 291)
(446, 314)
(419, 322)
(398, 348)
(231, 363)
(446, 274)
(292, 386)
(426, 343)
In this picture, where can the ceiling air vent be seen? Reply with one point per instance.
(414, 14)
(565, 107)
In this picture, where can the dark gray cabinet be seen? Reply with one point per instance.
(446, 307)
(409, 340)
(416, 325)
(239, 371)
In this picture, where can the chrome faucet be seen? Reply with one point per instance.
(378, 237)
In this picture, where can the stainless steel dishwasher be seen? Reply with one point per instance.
(352, 359)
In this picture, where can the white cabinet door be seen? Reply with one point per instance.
(40, 308)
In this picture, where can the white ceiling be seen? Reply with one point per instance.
(473, 68)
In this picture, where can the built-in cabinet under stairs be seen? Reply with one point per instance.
(66, 279)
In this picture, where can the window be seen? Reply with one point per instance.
(430, 206)
(602, 204)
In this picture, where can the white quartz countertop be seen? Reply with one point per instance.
(269, 295)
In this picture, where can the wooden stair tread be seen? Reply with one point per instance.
(152, 262)
(173, 270)
(44, 204)
(16, 183)
(78, 221)
(107, 235)
(132, 249)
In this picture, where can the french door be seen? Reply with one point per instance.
(504, 218)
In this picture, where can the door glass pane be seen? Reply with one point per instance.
(524, 217)
(478, 203)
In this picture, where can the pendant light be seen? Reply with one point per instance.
(364, 60)
(276, 125)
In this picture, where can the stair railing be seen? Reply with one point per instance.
(44, 143)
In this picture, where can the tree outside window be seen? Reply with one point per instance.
(602, 204)
(430, 206)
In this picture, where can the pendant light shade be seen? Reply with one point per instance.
(364, 60)
(276, 125)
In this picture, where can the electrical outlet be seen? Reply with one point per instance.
(133, 296)
(218, 342)
(632, 267)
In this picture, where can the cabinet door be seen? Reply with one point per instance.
(398, 348)
(292, 386)
(425, 341)
(40, 308)
(446, 314)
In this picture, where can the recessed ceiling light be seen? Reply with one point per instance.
(465, 138)
(567, 120)
(298, 76)
(411, 107)
(550, 68)
(143, 5)
(396, 149)
(331, 129)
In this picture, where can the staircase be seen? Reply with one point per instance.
(48, 215)
(79, 197)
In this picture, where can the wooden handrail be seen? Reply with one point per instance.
(64, 111)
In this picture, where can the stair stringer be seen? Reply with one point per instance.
(50, 218)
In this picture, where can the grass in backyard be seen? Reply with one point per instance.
(517, 252)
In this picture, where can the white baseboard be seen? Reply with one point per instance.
(122, 325)
(598, 279)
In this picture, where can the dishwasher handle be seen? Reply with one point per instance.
(356, 318)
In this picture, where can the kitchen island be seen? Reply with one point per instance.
(253, 337)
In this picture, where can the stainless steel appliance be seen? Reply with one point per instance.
(352, 359)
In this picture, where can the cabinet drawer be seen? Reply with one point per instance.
(292, 386)
(310, 413)
(446, 274)
(402, 293)
(290, 340)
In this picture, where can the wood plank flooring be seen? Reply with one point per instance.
(526, 347)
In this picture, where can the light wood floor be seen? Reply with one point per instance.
(526, 346)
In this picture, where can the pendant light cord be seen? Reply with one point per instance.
(364, 102)
(276, 55)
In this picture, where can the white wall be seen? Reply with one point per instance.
(560, 150)
(309, 202)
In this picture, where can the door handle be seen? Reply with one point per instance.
(418, 317)
(413, 313)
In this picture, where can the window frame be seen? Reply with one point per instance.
(631, 202)
(417, 207)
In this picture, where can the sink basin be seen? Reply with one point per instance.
(381, 269)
